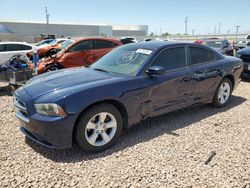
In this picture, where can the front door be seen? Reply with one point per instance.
(172, 90)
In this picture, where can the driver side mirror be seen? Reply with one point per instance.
(156, 70)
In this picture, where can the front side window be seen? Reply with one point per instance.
(171, 59)
(25, 47)
(81, 46)
(99, 44)
(201, 55)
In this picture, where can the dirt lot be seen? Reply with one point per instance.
(170, 151)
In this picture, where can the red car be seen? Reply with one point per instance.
(79, 52)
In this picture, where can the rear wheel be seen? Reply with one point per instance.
(99, 128)
(223, 93)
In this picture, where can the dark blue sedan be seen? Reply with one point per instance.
(91, 106)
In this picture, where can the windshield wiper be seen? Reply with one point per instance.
(102, 70)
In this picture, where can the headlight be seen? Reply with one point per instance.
(50, 109)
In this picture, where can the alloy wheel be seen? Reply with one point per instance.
(100, 129)
(224, 93)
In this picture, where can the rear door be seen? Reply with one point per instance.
(206, 69)
(102, 47)
(80, 54)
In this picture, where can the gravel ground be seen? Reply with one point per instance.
(196, 147)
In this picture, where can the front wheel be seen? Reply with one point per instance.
(223, 93)
(99, 128)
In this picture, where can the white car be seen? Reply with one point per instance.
(8, 49)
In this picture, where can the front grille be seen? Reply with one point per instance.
(245, 58)
(20, 109)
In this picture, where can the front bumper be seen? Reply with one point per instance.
(52, 132)
(246, 70)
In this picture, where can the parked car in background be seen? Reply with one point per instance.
(223, 46)
(91, 106)
(128, 40)
(48, 49)
(79, 52)
(9, 49)
(242, 43)
(244, 54)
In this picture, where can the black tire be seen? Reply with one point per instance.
(216, 102)
(11, 89)
(53, 68)
(80, 134)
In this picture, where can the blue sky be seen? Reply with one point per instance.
(160, 15)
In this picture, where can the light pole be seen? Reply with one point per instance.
(237, 30)
(186, 22)
(193, 32)
(219, 28)
(47, 19)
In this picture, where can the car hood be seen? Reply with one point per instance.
(244, 51)
(55, 81)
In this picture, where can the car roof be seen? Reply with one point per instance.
(157, 44)
(215, 40)
(93, 38)
(12, 42)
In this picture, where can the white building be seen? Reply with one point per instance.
(31, 32)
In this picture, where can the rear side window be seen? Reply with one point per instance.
(201, 55)
(82, 45)
(99, 44)
(171, 59)
(2, 47)
(18, 47)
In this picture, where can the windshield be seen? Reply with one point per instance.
(125, 60)
(65, 44)
(48, 41)
(213, 44)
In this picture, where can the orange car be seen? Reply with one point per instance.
(78, 52)
(45, 49)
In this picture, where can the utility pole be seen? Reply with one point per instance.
(219, 28)
(47, 19)
(193, 32)
(237, 30)
(186, 22)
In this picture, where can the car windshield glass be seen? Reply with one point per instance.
(213, 44)
(65, 44)
(124, 60)
(48, 41)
